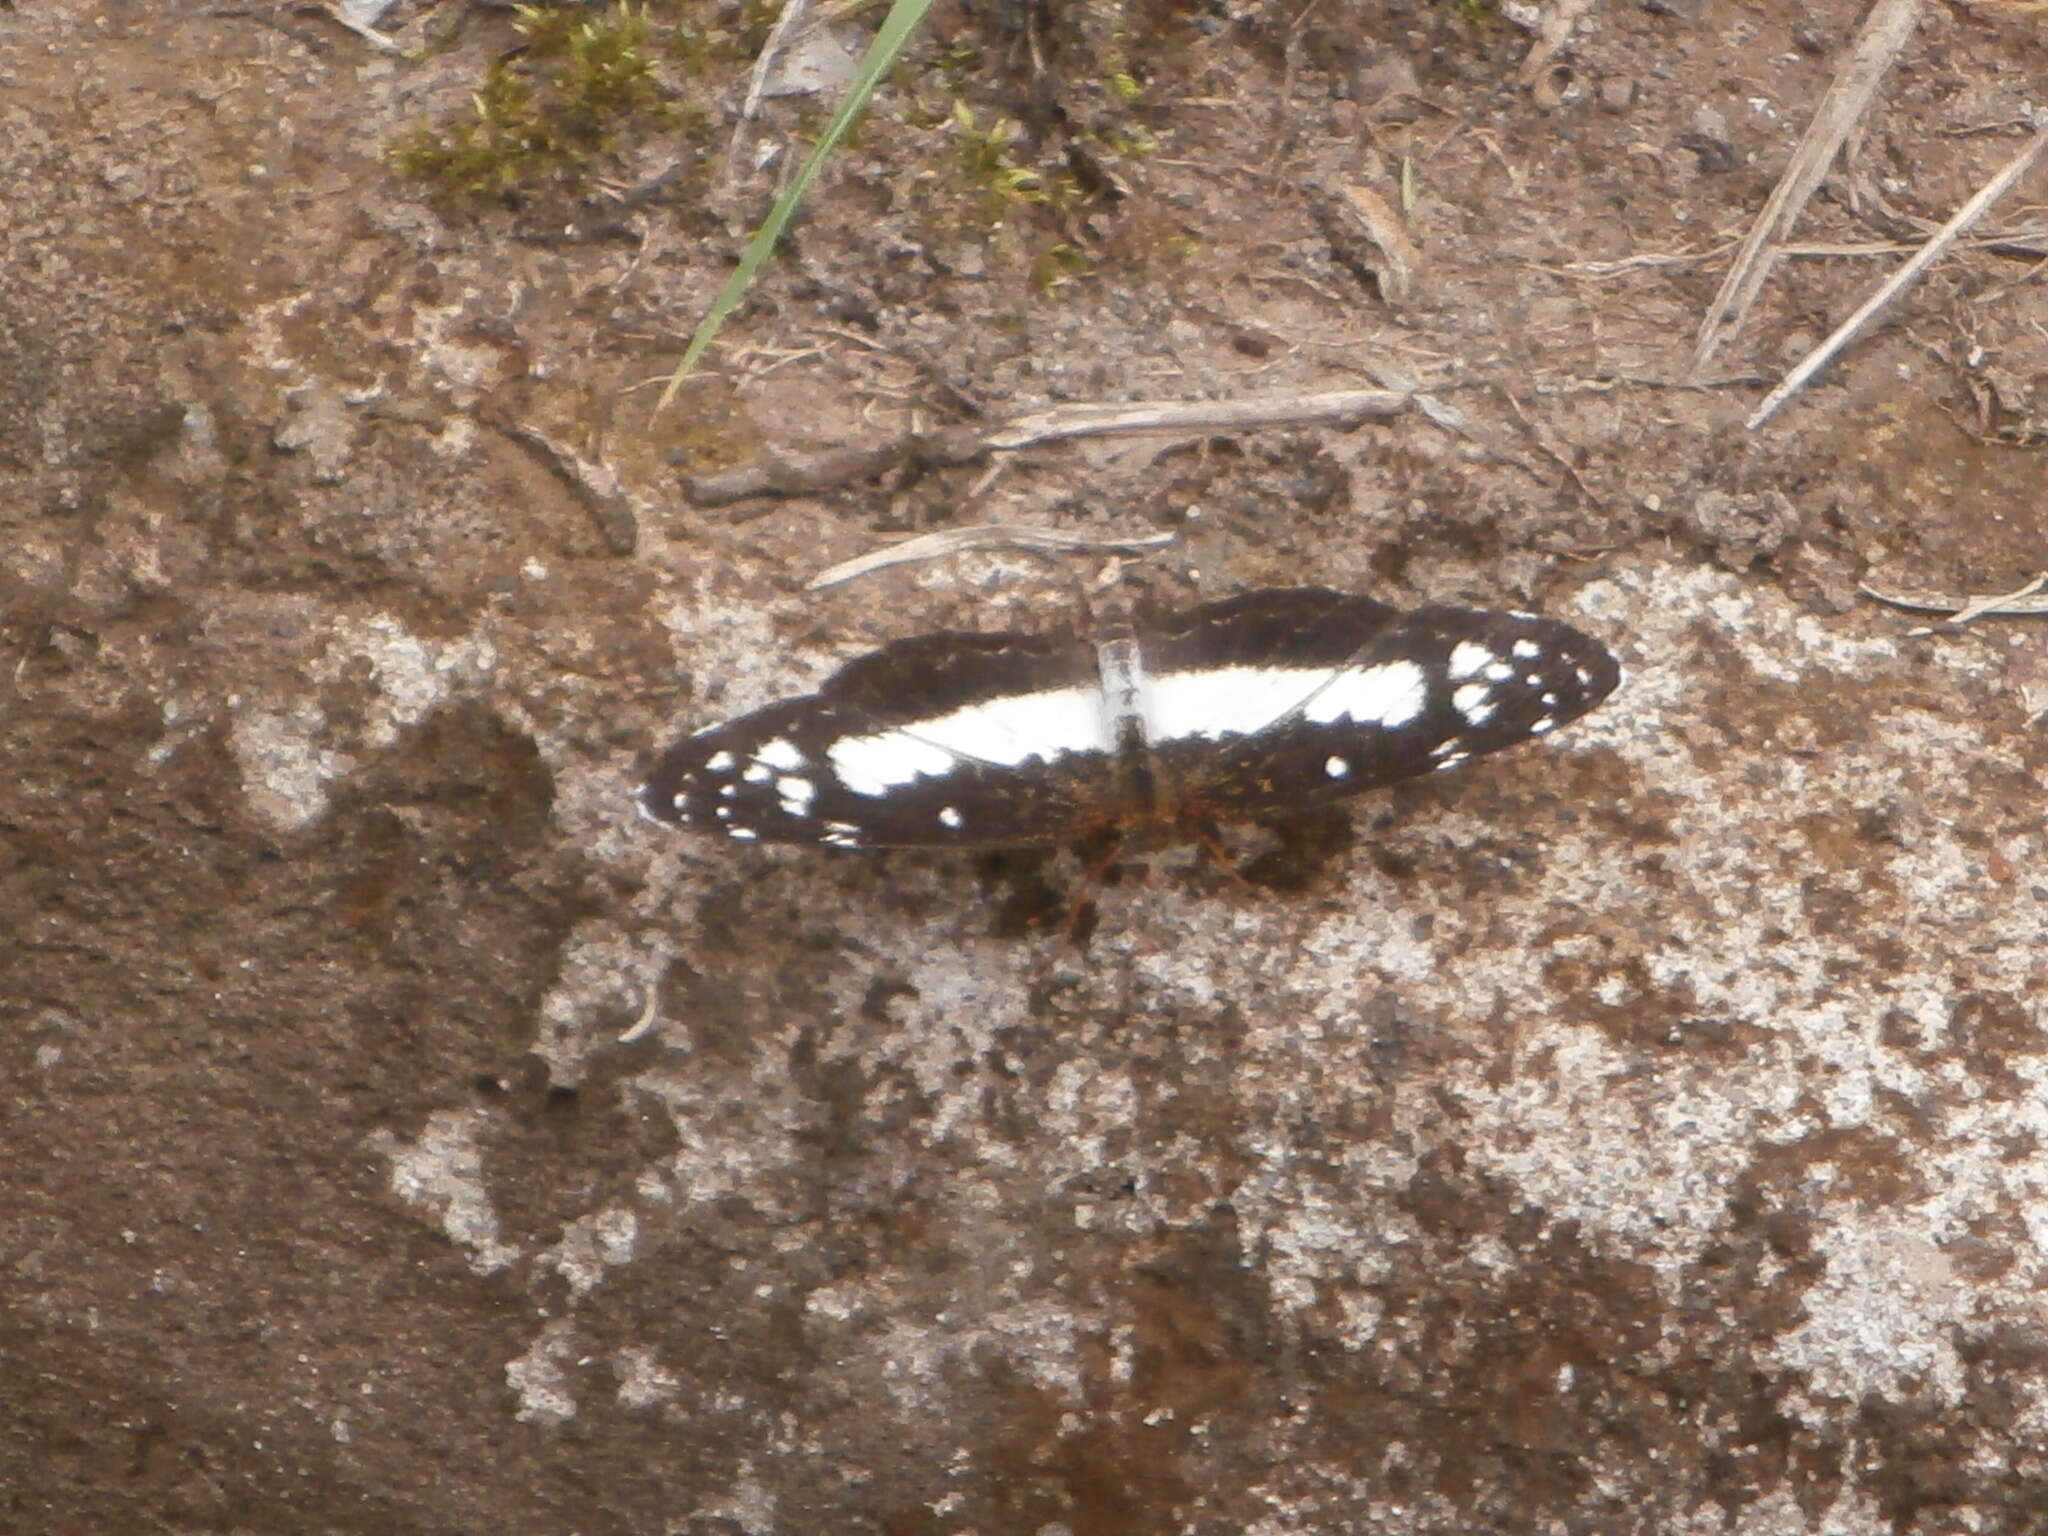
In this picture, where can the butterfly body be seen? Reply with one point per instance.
(1278, 699)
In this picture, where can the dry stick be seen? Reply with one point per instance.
(982, 536)
(1898, 282)
(1885, 31)
(2021, 601)
(779, 37)
(595, 481)
(2028, 240)
(1058, 421)
(798, 474)
(362, 29)
(1350, 211)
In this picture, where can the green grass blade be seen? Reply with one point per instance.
(881, 56)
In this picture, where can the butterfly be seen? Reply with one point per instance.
(1278, 699)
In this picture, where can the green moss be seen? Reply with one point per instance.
(583, 82)
(1059, 263)
(545, 112)
(699, 47)
(983, 154)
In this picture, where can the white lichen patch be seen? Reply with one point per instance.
(592, 1244)
(736, 647)
(411, 676)
(1883, 1318)
(749, 1506)
(644, 1382)
(291, 743)
(441, 1173)
(913, 1361)
(538, 1380)
(1772, 635)
(1093, 1100)
(444, 343)
(286, 768)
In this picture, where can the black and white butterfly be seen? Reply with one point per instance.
(1280, 699)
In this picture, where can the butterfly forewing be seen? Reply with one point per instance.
(1267, 626)
(954, 740)
(1423, 690)
(1234, 668)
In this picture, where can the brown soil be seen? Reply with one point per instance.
(1638, 1134)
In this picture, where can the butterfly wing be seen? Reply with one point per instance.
(1295, 697)
(1275, 699)
(946, 740)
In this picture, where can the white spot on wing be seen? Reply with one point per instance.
(742, 833)
(1469, 659)
(780, 753)
(1475, 702)
(758, 773)
(1453, 760)
(1005, 731)
(1540, 726)
(1527, 650)
(797, 795)
(720, 762)
(1499, 672)
(950, 819)
(1389, 695)
(1337, 768)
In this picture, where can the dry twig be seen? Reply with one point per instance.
(779, 37)
(594, 481)
(1885, 31)
(362, 29)
(949, 541)
(832, 468)
(2020, 602)
(1368, 235)
(1898, 282)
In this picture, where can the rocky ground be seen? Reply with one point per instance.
(1643, 1131)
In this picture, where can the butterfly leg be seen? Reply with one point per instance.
(1084, 910)
(1212, 844)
